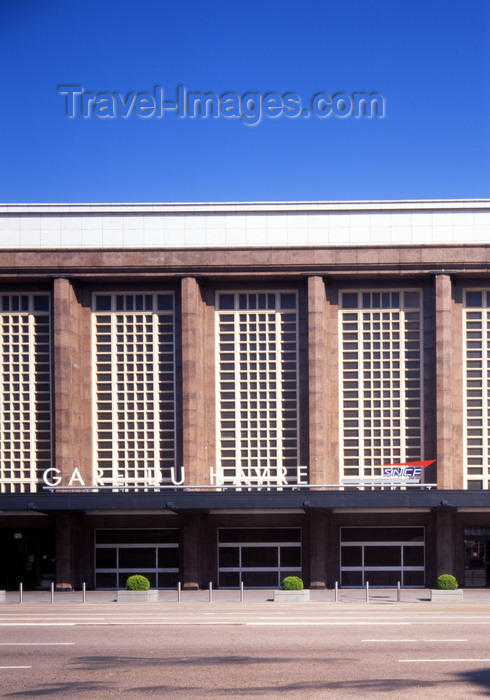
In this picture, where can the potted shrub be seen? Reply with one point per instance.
(292, 591)
(292, 583)
(137, 590)
(446, 590)
(137, 583)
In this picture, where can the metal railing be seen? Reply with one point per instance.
(336, 595)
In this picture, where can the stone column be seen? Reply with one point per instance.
(64, 552)
(190, 552)
(445, 528)
(448, 387)
(318, 548)
(323, 385)
(71, 382)
(198, 443)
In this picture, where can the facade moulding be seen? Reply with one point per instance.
(396, 271)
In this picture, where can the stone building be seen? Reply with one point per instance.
(233, 393)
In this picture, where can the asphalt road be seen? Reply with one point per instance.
(251, 650)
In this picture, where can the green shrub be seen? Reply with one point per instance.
(137, 583)
(292, 583)
(446, 582)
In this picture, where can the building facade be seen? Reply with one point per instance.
(232, 393)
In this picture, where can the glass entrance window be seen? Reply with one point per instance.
(382, 557)
(476, 554)
(258, 557)
(121, 553)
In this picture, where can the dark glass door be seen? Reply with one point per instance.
(28, 557)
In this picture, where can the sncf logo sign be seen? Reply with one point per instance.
(402, 471)
(406, 470)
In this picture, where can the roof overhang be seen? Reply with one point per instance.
(196, 502)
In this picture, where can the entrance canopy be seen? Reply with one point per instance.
(229, 498)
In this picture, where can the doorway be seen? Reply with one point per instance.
(258, 557)
(476, 557)
(382, 557)
(28, 558)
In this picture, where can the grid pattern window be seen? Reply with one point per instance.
(382, 556)
(476, 316)
(134, 350)
(258, 557)
(257, 387)
(25, 391)
(381, 380)
(123, 553)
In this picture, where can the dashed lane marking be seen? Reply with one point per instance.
(412, 641)
(442, 661)
(37, 624)
(36, 644)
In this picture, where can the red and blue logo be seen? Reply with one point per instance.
(406, 470)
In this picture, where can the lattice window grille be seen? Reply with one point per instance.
(257, 387)
(381, 380)
(476, 388)
(25, 391)
(134, 379)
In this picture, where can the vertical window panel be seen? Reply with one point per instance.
(476, 337)
(134, 401)
(25, 391)
(381, 380)
(257, 387)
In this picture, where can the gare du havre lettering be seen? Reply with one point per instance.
(267, 477)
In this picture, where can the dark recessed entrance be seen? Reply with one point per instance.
(476, 557)
(28, 557)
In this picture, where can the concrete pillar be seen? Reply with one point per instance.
(64, 552)
(332, 550)
(190, 552)
(71, 382)
(445, 529)
(323, 385)
(448, 383)
(198, 448)
(319, 522)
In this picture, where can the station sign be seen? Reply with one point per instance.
(406, 470)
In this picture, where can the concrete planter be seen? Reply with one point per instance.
(150, 596)
(443, 596)
(3, 596)
(292, 596)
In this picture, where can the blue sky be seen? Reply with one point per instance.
(430, 60)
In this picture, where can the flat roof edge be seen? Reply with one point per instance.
(234, 207)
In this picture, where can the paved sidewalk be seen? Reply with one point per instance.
(376, 595)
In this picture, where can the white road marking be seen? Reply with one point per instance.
(37, 624)
(400, 641)
(325, 624)
(231, 620)
(34, 618)
(36, 644)
(444, 661)
(10, 667)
